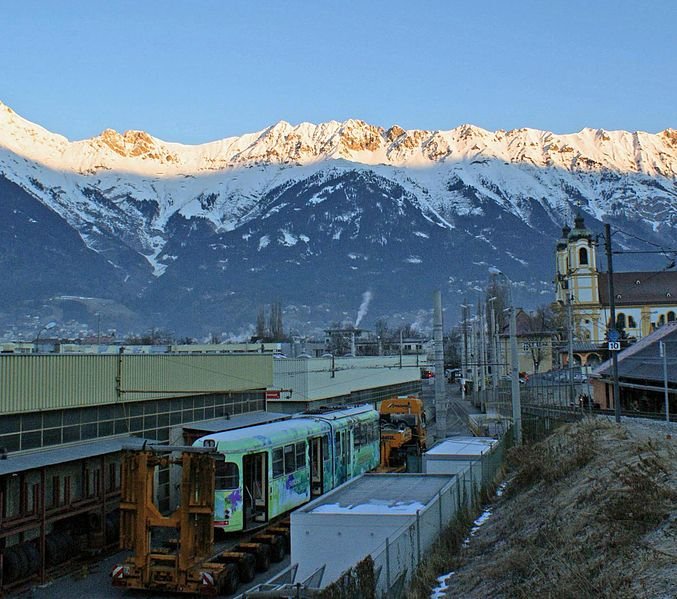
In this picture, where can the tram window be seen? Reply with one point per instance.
(300, 455)
(289, 459)
(278, 462)
(227, 475)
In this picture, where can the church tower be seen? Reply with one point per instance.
(577, 279)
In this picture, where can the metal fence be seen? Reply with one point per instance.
(396, 560)
(566, 388)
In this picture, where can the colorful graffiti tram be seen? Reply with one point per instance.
(270, 469)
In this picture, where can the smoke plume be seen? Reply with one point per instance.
(362, 312)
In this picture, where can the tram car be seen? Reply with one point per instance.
(267, 470)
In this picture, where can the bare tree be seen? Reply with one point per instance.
(276, 328)
(261, 323)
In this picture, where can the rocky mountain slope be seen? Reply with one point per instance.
(193, 238)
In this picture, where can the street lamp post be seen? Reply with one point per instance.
(514, 361)
(47, 327)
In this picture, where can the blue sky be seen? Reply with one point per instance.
(202, 70)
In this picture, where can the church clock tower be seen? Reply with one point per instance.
(578, 280)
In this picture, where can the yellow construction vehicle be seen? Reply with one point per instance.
(175, 552)
(403, 431)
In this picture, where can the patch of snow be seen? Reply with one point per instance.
(481, 519)
(288, 239)
(264, 242)
(439, 592)
(373, 506)
(421, 234)
(414, 260)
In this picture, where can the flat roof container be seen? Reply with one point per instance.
(392, 517)
(466, 456)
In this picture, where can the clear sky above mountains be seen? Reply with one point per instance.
(202, 70)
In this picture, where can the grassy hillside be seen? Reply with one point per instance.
(589, 512)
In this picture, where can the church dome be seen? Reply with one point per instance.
(579, 231)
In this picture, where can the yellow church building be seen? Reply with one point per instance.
(644, 300)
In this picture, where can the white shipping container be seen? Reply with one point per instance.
(357, 519)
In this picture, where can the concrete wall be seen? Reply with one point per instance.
(314, 379)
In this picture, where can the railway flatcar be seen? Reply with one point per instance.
(270, 469)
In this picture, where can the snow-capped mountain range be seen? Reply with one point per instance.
(194, 238)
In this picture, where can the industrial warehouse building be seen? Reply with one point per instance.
(65, 419)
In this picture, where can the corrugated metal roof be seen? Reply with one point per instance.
(57, 381)
(386, 494)
(642, 359)
(59, 455)
(240, 421)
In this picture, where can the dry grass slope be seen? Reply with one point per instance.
(589, 512)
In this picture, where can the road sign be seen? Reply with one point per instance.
(614, 345)
(613, 335)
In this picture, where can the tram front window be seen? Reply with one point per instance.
(227, 475)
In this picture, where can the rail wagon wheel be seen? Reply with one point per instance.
(23, 560)
(229, 580)
(247, 568)
(12, 564)
(93, 521)
(287, 541)
(263, 558)
(112, 526)
(52, 550)
(32, 555)
(277, 549)
(68, 546)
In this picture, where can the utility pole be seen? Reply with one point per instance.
(612, 309)
(570, 343)
(465, 344)
(494, 346)
(401, 348)
(514, 361)
(440, 400)
(664, 355)
(482, 359)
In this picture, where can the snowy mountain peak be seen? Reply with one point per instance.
(353, 140)
(194, 228)
(133, 144)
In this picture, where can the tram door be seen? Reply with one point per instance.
(343, 466)
(316, 467)
(255, 474)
